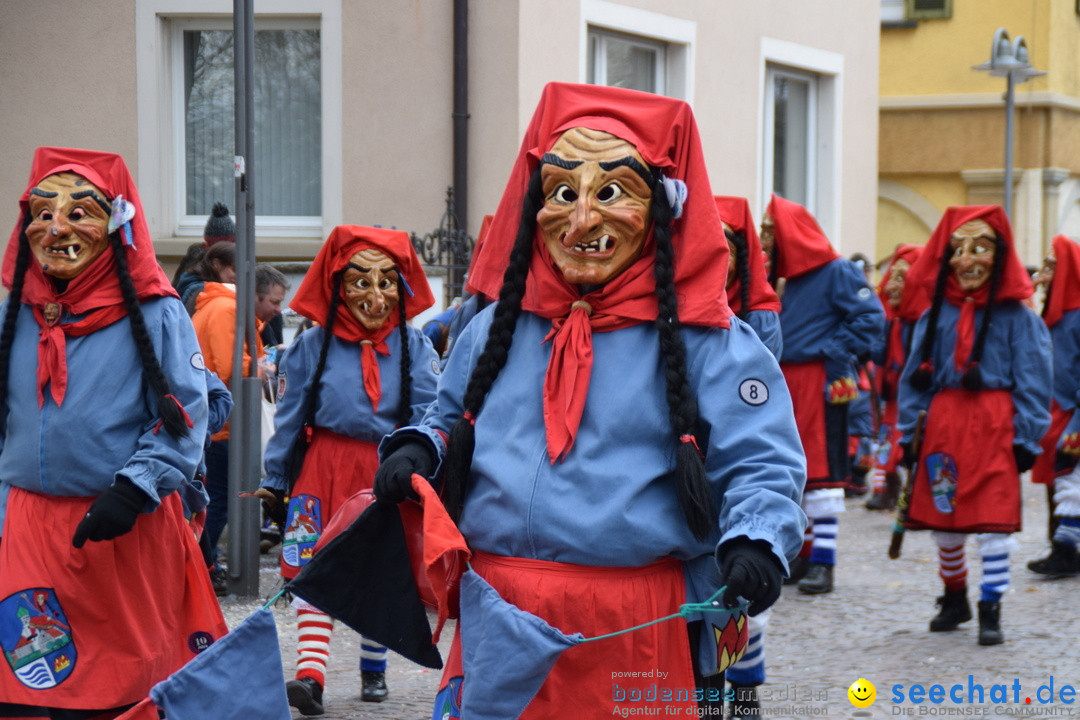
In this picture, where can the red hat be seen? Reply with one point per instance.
(312, 298)
(1014, 284)
(800, 243)
(735, 211)
(664, 132)
(913, 301)
(107, 171)
(1064, 294)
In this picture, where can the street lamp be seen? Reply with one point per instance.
(1009, 60)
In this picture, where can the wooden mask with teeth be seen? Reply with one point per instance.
(68, 228)
(972, 261)
(371, 288)
(595, 213)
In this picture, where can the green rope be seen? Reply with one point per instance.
(274, 599)
(685, 611)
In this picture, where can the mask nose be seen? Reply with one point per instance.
(583, 220)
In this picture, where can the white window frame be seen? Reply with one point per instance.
(772, 72)
(678, 36)
(599, 55)
(826, 179)
(159, 101)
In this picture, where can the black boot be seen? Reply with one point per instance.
(818, 579)
(744, 701)
(374, 686)
(990, 623)
(955, 609)
(305, 695)
(1062, 562)
(797, 568)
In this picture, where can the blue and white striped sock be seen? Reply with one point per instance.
(824, 550)
(1068, 531)
(372, 656)
(994, 553)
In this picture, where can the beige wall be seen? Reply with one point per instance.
(395, 93)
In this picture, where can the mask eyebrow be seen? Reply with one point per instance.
(91, 194)
(354, 266)
(42, 193)
(631, 163)
(553, 159)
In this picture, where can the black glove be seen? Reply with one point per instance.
(274, 505)
(112, 514)
(750, 570)
(1024, 458)
(393, 479)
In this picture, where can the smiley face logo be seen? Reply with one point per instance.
(862, 693)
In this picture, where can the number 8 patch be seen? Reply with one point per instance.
(753, 391)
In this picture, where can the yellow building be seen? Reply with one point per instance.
(943, 123)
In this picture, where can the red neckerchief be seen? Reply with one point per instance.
(312, 298)
(965, 326)
(1064, 294)
(627, 300)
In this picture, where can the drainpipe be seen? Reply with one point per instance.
(461, 111)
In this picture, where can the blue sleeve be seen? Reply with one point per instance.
(161, 462)
(863, 318)
(766, 324)
(910, 400)
(425, 374)
(220, 402)
(1032, 378)
(294, 375)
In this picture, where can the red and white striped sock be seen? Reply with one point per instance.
(807, 540)
(952, 567)
(313, 644)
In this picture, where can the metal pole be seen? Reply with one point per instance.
(1009, 147)
(461, 112)
(243, 554)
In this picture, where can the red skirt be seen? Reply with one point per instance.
(1043, 470)
(966, 480)
(335, 468)
(97, 627)
(595, 601)
(806, 383)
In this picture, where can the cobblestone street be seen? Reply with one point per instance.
(873, 626)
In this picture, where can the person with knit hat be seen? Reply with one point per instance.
(615, 441)
(987, 405)
(902, 309)
(103, 413)
(360, 372)
(219, 226)
(830, 319)
(1056, 465)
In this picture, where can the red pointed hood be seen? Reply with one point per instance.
(735, 211)
(1064, 292)
(801, 245)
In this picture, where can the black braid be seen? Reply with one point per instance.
(742, 268)
(405, 401)
(923, 377)
(462, 438)
(7, 334)
(311, 400)
(972, 378)
(690, 481)
(172, 413)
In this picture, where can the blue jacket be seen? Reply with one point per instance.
(830, 313)
(612, 501)
(1016, 358)
(766, 324)
(106, 425)
(344, 407)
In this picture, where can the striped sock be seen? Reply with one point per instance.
(313, 644)
(372, 656)
(807, 539)
(824, 550)
(877, 479)
(952, 567)
(750, 669)
(994, 553)
(1068, 531)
